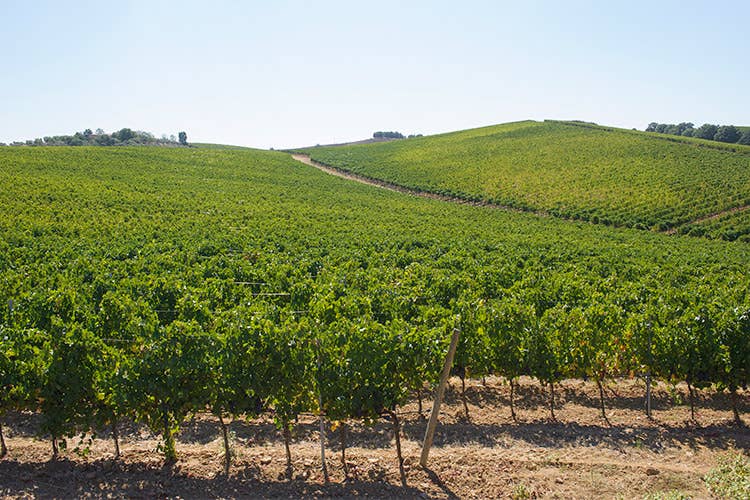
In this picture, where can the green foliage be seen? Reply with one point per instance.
(235, 366)
(153, 283)
(23, 359)
(171, 378)
(509, 324)
(520, 492)
(122, 137)
(706, 131)
(363, 372)
(727, 133)
(734, 347)
(388, 135)
(70, 393)
(569, 169)
(285, 368)
(730, 478)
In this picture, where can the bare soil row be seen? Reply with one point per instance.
(486, 456)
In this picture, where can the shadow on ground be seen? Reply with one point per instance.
(68, 479)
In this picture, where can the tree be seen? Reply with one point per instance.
(123, 135)
(682, 127)
(183, 138)
(388, 135)
(727, 133)
(745, 138)
(652, 127)
(104, 140)
(706, 131)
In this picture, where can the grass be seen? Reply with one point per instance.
(730, 478)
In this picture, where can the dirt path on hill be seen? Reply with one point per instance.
(401, 189)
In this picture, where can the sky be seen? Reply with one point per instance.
(283, 73)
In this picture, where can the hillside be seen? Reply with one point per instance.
(574, 171)
(208, 145)
(131, 203)
(146, 285)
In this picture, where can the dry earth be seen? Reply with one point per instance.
(487, 456)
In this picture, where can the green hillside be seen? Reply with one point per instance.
(208, 145)
(108, 218)
(117, 202)
(153, 283)
(572, 170)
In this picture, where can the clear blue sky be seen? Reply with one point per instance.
(289, 73)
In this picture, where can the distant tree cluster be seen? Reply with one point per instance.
(721, 133)
(388, 135)
(393, 135)
(122, 137)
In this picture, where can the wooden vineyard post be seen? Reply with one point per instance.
(648, 375)
(430, 433)
(321, 421)
(323, 443)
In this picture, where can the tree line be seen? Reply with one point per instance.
(393, 135)
(122, 137)
(721, 133)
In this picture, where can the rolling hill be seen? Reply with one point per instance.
(156, 283)
(573, 170)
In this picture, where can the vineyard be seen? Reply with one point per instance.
(572, 170)
(149, 285)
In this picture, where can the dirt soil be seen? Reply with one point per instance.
(486, 456)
